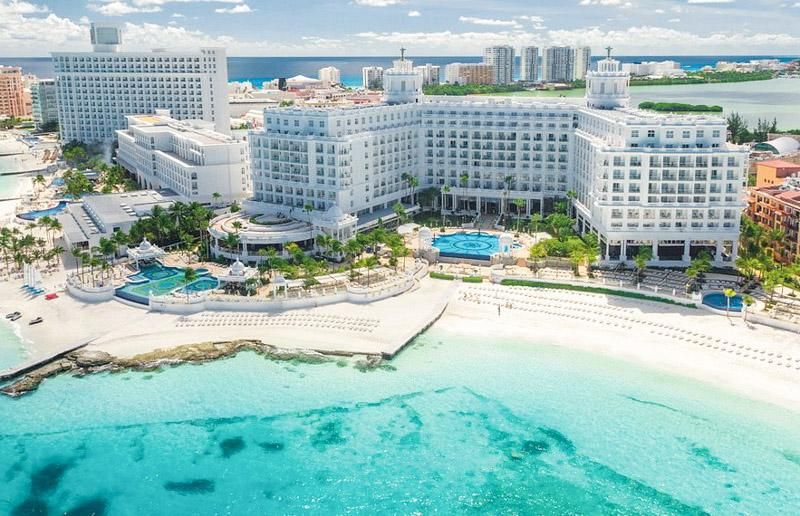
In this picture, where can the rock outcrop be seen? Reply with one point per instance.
(90, 361)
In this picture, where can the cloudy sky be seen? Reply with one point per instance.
(427, 27)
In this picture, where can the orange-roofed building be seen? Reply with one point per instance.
(773, 172)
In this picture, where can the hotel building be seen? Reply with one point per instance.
(43, 98)
(583, 61)
(529, 64)
(558, 64)
(12, 92)
(430, 73)
(469, 73)
(668, 182)
(97, 90)
(778, 207)
(372, 77)
(186, 157)
(330, 76)
(501, 59)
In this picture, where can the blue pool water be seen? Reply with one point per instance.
(476, 246)
(717, 300)
(460, 425)
(160, 280)
(50, 212)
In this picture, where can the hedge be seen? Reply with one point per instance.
(439, 275)
(593, 290)
(472, 279)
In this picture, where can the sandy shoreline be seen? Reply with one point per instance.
(653, 335)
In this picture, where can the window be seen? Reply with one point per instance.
(651, 133)
(670, 134)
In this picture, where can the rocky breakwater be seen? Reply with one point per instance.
(91, 361)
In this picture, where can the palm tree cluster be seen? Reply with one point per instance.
(99, 257)
(581, 250)
(758, 248)
(184, 224)
(23, 247)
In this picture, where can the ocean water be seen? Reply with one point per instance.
(457, 425)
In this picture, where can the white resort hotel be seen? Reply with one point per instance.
(670, 182)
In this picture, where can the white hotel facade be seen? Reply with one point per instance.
(186, 157)
(97, 90)
(640, 179)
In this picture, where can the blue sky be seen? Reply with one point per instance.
(427, 27)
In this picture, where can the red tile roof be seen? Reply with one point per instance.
(779, 163)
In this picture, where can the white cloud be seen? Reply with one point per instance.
(489, 21)
(121, 9)
(622, 4)
(19, 7)
(237, 9)
(379, 3)
(674, 20)
(178, 15)
(710, 1)
(414, 14)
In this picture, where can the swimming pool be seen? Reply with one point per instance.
(159, 280)
(37, 214)
(718, 301)
(474, 246)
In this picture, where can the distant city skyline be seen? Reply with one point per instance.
(380, 27)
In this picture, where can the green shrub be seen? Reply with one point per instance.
(439, 275)
(593, 290)
(472, 279)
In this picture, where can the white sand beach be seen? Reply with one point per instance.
(753, 360)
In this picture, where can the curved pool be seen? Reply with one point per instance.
(159, 280)
(49, 212)
(718, 301)
(473, 246)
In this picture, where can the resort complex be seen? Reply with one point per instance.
(635, 179)
(404, 288)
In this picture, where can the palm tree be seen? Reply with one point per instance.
(728, 293)
(571, 195)
(107, 248)
(352, 249)
(507, 181)
(216, 196)
(536, 222)
(369, 263)
(232, 242)
(38, 180)
(463, 179)
(519, 204)
(643, 255)
(413, 183)
(237, 225)
(748, 301)
(445, 190)
(308, 208)
(189, 275)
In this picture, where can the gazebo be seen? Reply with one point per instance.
(145, 252)
(237, 273)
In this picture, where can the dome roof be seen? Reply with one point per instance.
(334, 213)
(781, 146)
(145, 245)
(425, 231)
(237, 268)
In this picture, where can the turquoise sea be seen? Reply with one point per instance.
(456, 426)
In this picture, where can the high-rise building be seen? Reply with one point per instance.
(583, 61)
(97, 90)
(187, 157)
(529, 64)
(12, 92)
(667, 182)
(45, 107)
(469, 73)
(501, 58)
(430, 73)
(330, 75)
(777, 206)
(558, 64)
(372, 77)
